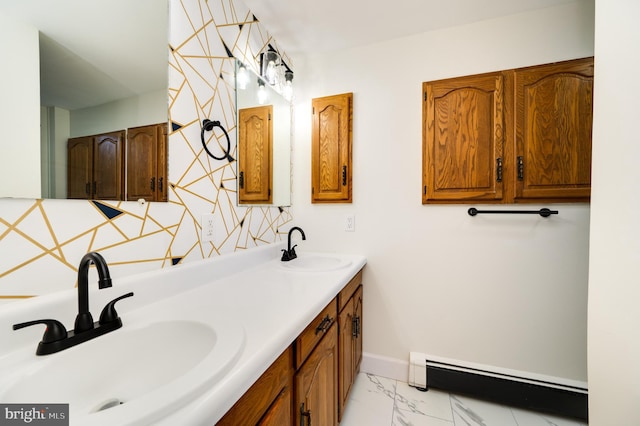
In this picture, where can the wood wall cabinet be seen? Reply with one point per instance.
(255, 146)
(463, 138)
(147, 162)
(553, 120)
(94, 166)
(331, 141)
(520, 135)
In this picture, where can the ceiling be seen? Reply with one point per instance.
(97, 51)
(305, 26)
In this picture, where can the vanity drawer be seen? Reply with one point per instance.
(348, 290)
(311, 335)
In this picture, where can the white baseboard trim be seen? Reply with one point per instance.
(391, 368)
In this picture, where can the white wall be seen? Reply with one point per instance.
(19, 110)
(506, 291)
(614, 293)
(148, 108)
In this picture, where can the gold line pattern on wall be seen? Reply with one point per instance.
(41, 241)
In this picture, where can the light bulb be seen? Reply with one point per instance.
(262, 94)
(243, 78)
(271, 72)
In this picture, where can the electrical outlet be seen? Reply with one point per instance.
(207, 227)
(350, 223)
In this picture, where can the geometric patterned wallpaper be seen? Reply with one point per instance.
(42, 241)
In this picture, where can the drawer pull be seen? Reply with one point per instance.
(324, 325)
(304, 414)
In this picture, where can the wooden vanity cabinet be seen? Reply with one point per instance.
(147, 162)
(316, 380)
(95, 167)
(310, 382)
(331, 140)
(268, 401)
(349, 338)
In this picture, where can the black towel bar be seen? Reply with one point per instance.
(545, 212)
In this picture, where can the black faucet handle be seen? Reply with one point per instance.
(292, 252)
(55, 329)
(285, 255)
(109, 313)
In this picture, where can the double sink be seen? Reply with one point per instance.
(162, 359)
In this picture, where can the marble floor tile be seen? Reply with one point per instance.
(378, 401)
(433, 403)
(529, 418)
(473, 412)
(370, 402)
(412, 418)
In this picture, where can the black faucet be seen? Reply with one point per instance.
(290, 252)
(56, 338)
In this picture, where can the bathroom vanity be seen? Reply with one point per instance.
(240, 335)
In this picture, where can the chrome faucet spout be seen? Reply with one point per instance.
(84, 320)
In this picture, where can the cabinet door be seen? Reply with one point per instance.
(346, 334)
(80, 168)
(162, 165)
(554, 114)
(463, 139)
(316, 400)
(107, 168)
(357, 345)
(255, 147)
(331, 149)
(268, 401)
(146, 164)
(279, 414)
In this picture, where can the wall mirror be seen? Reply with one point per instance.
(264, 141)
(103, 68)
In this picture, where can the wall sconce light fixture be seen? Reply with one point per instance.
(287, 89)
(270, 66)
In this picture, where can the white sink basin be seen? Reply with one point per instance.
(133, 375)
(316, 263)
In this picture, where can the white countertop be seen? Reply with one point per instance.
(252, 289)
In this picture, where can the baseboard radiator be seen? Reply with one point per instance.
(499, 385)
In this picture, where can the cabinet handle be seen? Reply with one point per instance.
(152, 183)
(324, 325)
(241, 180)
(344, 175)
(160, 183)
(355, 327)
(499, 170)
(87, 188)
(94, 188)
(520, 168)
(304, 414)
